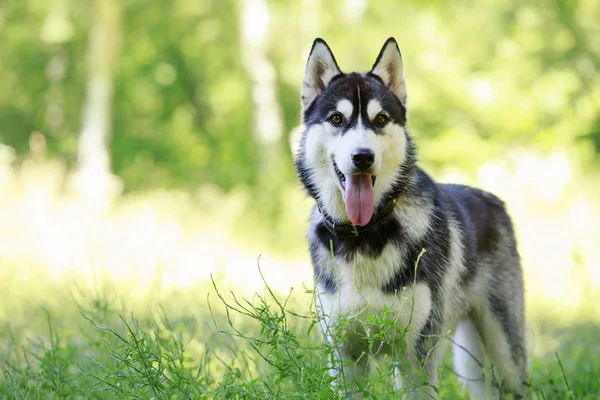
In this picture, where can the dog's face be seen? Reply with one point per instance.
(355, 140)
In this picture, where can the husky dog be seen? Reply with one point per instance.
(386, 240)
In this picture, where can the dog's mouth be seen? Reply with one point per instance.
(359, 195)
(342, 177)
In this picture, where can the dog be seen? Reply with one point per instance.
(386, 241)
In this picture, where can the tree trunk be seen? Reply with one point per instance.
(268, 123)
(94, 179)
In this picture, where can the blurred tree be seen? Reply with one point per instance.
(189, 87)
(268, 126)
(183, 97)
(94, 179)
(41, 78)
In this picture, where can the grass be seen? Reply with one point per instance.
(72, 341)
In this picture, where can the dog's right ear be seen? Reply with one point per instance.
(320, 69)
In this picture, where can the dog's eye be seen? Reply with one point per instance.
(335, 119)
(381, 119)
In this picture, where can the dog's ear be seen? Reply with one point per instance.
(390, 69)
(320, 69)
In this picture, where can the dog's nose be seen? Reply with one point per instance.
(363, 158)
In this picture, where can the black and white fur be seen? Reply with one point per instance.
(468, 281)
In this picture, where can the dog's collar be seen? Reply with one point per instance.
(347, 231)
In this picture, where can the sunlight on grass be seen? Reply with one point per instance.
(179, 238)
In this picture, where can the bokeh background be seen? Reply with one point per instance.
(150, 143)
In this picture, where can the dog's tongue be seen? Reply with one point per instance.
(359, 198)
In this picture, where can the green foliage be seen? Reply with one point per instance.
(151, 363)
(482, 78)
(266, 347)
(182, 103)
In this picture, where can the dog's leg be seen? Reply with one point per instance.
(503, 332)
(426, 355)
(347, 365)
(349, 373)
(412, 383)
(469, 358)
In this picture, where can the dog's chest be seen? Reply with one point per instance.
(359, 293)
(365, 273)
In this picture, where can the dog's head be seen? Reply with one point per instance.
(355, 146)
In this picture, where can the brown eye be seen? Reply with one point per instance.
(381, 119)
(336, 119)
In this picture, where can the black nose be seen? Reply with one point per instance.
(363, 158)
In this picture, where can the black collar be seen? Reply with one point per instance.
(347, 230)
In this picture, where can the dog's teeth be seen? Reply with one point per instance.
(340, 176)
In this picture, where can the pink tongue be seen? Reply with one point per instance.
(359, 198)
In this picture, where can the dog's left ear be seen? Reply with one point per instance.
(390, 69)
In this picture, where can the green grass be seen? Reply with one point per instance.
(106, 340)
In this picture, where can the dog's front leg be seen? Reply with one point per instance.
(426, 354)
(348, 368)
(418, 378)
(348, 364)
(412, 385)
(349, 372)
